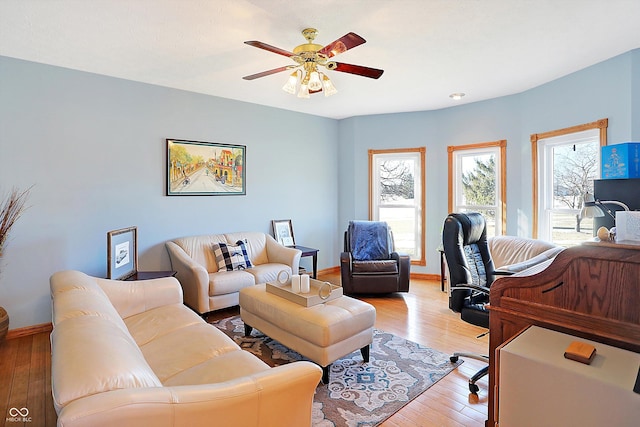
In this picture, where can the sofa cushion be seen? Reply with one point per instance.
(375, 267)
(225, 367)
(508, 250)
(103, 357)
(76, 294)
(538, 259)
(268, 272)
(231, 257)
(227, 282)
(146, 326)
(199, 249)
(255, 242)
(186, 347)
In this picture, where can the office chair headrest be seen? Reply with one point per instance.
(473, 226)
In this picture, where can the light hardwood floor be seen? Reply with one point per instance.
(422, 315)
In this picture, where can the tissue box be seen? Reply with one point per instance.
(621, 160)
(628, 226)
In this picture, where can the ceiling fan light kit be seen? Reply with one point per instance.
(308, 57)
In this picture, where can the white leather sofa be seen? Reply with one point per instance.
(131, 354)
(206, 287)
(512, 254)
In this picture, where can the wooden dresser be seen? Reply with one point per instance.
(590, 291)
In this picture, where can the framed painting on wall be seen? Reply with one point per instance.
(122, 253)
(197, 168)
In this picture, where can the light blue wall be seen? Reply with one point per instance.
(479, 122)
(635, 90)
(93, 147)
(610, 89)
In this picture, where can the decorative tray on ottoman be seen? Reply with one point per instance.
(319, 292)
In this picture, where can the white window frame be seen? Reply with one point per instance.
(376, 157)
(546, 148)
(456, 192)
(543, 172)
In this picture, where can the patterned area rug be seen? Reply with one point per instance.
(358, 393)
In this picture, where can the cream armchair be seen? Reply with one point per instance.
(206, 286)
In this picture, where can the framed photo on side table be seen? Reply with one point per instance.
(122, 253)
(283, 232)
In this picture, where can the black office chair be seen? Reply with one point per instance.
(471, 273)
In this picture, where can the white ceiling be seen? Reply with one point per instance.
(428, 48)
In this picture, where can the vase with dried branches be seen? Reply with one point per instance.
(11, 208)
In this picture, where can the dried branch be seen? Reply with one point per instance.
(11, 210)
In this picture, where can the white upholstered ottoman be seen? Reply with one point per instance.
(323, 333)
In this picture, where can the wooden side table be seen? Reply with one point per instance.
(148, 275)
(310, 252)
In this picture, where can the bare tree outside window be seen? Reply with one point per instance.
(565, 163)
(396, 180)
(397, 194)
(575, 168)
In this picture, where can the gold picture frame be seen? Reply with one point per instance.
(196, 168)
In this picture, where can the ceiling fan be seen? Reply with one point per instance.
(308, 57)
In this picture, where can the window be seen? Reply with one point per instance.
(396, 195)
(477, 182)
(565, 163)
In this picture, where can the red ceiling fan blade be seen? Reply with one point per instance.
(270, 48)
(372, 73)
(268, 73)
(343, 44)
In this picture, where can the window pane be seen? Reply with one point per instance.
(478, 177)
(403, 222)
(489, 217)
(397, 181)
(575, 166)
(397, 197)
(476, 181)
(568, 165)
(567, 231)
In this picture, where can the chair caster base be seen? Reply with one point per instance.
(453, 359)
(473, 388)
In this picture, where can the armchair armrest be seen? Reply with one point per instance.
(283, 255)
(404, 267)
(136, 296)
(278, 396)
(472, 287)
(531, 262)
(501, 272)
(345, 268)
(193, 277)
